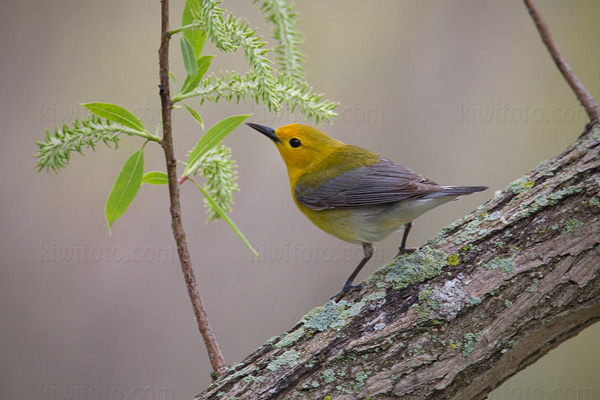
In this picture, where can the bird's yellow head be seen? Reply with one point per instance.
(302, 147)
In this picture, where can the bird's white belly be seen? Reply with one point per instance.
(374, 223)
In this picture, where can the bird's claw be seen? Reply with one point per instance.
(347, 288)
(405, 250)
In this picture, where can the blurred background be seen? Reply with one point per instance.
(462, 92)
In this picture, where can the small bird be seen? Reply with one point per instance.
(353, 193)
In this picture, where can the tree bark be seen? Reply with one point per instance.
(487, 297)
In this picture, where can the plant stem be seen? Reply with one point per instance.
(583, 95)
(144, 135)
(214, 353)
(182, 28)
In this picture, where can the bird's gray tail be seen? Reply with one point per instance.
(455, 191)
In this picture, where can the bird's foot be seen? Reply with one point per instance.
(405, 250)
(348, 287)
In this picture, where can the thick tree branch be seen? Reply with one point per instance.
(583, 95)
(214, 353)
(487, 297)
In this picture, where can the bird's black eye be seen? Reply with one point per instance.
(295, 142)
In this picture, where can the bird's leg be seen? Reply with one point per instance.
(403, 249)
(368, 250)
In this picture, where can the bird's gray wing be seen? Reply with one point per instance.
(379, 183)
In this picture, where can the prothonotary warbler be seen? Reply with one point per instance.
(353, 193)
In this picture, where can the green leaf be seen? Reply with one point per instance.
(195, 114)
(125, 188)
(189, 60)
(192, 82)
(115, 113)
(195, 36)
(213, 136)
(225, 217)
(155, 178)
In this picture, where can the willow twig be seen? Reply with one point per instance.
(214, 353)
(583, 95)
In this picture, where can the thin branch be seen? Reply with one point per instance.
(214, 353)
(583, 95)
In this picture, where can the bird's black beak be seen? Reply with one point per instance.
(265, 130)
